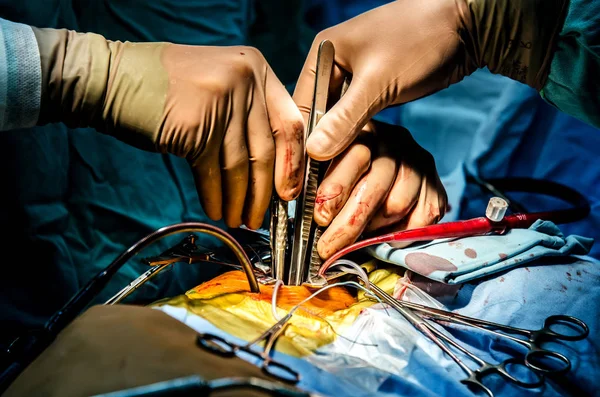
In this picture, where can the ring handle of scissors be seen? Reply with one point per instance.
(536, 358)
(581, 328)
(220, 346)
(502, 370)
(216, 344)
(474, 383)
(279, 371)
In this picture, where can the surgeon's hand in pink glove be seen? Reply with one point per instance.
(397, 53)
(407, 49)
(383, 180)
(221, 108)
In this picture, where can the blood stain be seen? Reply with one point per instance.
(568, 276)
(323, 211)
(528, 269)
(360, 215)
(501, 279)
(502, 256)
(288, 162)
(563, 288)
(426, 264)
(578, 273)
(291, 168)
(288, 157)
(332, 192)
(337, 235)
(471, 253)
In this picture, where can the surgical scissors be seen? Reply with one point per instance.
(474, 377)
(537, 358)
(218, 345)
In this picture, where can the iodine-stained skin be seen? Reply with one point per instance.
(384, 181)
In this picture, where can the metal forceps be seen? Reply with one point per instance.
(475, 377)
(220, 346)
(295, 259)
(537, 358)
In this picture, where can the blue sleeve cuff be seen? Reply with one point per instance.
(573, 84)
(20, 76)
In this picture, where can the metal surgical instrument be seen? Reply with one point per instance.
(27, 347)
(297, 261)
(196, 386)
(474, 377)
(537, 358)
(189, 252)
(224, 348)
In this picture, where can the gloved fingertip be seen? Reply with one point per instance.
(291, 191)
(214, 216)
(324, 249)
(319, 146)
(324, 253)
(233, 223)
(322, 215)
(252, 224)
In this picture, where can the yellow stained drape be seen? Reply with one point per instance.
(225, 302)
